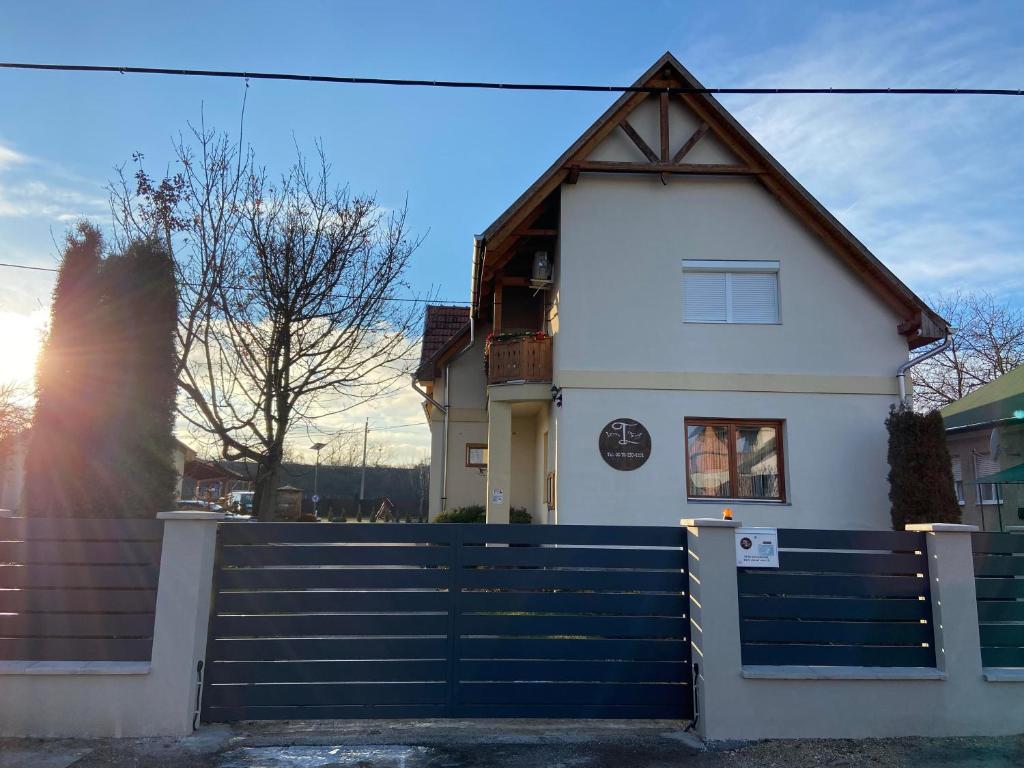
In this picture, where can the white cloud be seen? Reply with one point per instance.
(33, 188)
(38, 199)
(931, 184)
(9, 157)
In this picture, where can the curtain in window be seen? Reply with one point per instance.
(757, 463)
(708, 455)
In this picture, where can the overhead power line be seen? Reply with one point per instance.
(243, 288)
(345, 80)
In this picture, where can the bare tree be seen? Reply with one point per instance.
(15, 412)
(288, 295)
(346, 450)
(988, 341)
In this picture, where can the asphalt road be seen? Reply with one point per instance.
(483, 744)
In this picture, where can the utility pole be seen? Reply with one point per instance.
(316, 476)
(362, 478)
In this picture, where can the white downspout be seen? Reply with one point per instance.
(901, 372)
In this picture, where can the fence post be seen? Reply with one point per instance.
(954, 599)
(714, 619)
(182, 614)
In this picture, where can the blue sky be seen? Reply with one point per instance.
(932, 185)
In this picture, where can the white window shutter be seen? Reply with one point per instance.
(957, 470)
(704, 299)
(755, 297)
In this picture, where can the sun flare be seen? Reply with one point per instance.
(21, 336)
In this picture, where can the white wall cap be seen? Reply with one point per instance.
(192, 515)
(942, 527)
(1015, 528)
(709, 522)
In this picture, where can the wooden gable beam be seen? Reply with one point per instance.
(663, 123)
(544, 187)
(782, 193)
(685, 169)
(630, 131)
(691, 142)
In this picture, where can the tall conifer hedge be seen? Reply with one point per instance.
(920, 469)
(102, 433)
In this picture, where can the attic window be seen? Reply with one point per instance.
(735, 291)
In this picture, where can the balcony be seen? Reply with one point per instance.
(524, 359)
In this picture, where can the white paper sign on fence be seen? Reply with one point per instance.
(757, 547)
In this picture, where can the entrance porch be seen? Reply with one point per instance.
(520, 451)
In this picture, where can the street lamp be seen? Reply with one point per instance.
(316, 476)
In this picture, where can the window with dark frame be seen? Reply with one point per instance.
(476, 455)
(735, 459)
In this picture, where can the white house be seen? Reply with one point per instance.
(676, 326)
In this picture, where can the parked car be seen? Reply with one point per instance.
(241, 502)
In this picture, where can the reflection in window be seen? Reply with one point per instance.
(734, 459)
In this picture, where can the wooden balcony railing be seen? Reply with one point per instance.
(527, 359)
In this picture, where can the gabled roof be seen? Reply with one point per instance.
(441, 325)
(1001, 399)
(919, 323)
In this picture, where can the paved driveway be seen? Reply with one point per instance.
(483, 744)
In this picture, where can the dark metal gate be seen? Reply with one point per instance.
(441, 620)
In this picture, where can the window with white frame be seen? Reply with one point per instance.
(730, 291)
(958, 480)
(985, 465)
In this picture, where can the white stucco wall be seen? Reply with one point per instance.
(835, 459)
(524, 462)
(622, 350)
(467, 424)
(620, 284)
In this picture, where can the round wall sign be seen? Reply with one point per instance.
(624, 444)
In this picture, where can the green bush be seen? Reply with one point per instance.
(477, 513)
(920, 470)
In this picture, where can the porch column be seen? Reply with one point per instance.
(499, 461)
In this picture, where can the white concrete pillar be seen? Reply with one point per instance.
(954, 600)
(714, 619)
(499, 461)
(182, 616)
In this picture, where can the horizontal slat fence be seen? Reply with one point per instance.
(335, 620)
(572, 621)
(839, 598)
(999, 582)
(78, 589)
(329, 620)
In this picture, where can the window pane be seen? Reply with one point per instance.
(708, 457)
(985, 465)
(704, 297)
(757, 462)
(755, 297)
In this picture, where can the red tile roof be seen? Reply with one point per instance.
(441, 324)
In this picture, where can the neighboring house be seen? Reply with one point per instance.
(676, 326)
(985, 435)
